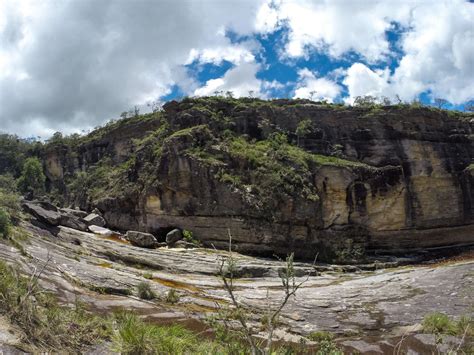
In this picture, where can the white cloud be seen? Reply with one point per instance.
(338, 26)
(439, 52)
(312, 87)
(438, 57)
(361, 81)
(93, 59)
(240, 80)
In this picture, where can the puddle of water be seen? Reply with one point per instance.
(176, 284)
(114, 238)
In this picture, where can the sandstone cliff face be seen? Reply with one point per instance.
(390, 179)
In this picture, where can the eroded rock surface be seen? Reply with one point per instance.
(375, 303)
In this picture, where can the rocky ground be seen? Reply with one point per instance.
(370, 309)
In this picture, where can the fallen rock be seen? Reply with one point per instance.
(173, 236)
(96, 211)
(94, 219)
(73, 222)
(140, 239)
(44, 215)
(101, 231)
(73, 212)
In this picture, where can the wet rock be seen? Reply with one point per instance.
(101, 231)
(140, 239)
(173, 236)
(95, 220)
(48, 216)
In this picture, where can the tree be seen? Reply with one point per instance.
(304, 127)
(4, 223)
(440, 102)
(364, 101)
(32, 179)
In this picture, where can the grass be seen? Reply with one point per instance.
(172, 296)
(134, 336)
(148, 275)
(440, 323)
(145, 292)
(46, 324)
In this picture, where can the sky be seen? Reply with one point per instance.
(71, 65)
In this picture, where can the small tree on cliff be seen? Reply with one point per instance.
(31, 182)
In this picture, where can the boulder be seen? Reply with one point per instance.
(73, 212)
(50, 217)
(101, 231)
(73, 222)
(96, 211)
(173, 236)
(140, 239)
(94, 219)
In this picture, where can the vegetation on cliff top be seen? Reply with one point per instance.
(265, 157)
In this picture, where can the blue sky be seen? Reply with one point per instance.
(109, 56)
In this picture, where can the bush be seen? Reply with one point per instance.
(32, 179)
(145, 292)
(10, 203)
(5, 223)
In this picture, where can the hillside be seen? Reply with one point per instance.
(280, 175)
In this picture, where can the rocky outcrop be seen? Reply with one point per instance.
(386, 179)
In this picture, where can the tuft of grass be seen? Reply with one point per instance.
(172, 296)
(145, 292)
(148, 275)
(440, 323)
(134, 336)
(326, 344)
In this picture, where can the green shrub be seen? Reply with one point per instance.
(5, 223)
(326, 344)
(10, 203)
(145, 292)
(32, 179)
(188, 237)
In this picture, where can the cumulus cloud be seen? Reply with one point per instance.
(312, 87)
(437, 57)
(338, 27)
(240, 81)
(70, 65)
(73, 64)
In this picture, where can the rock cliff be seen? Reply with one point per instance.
(280, 175)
